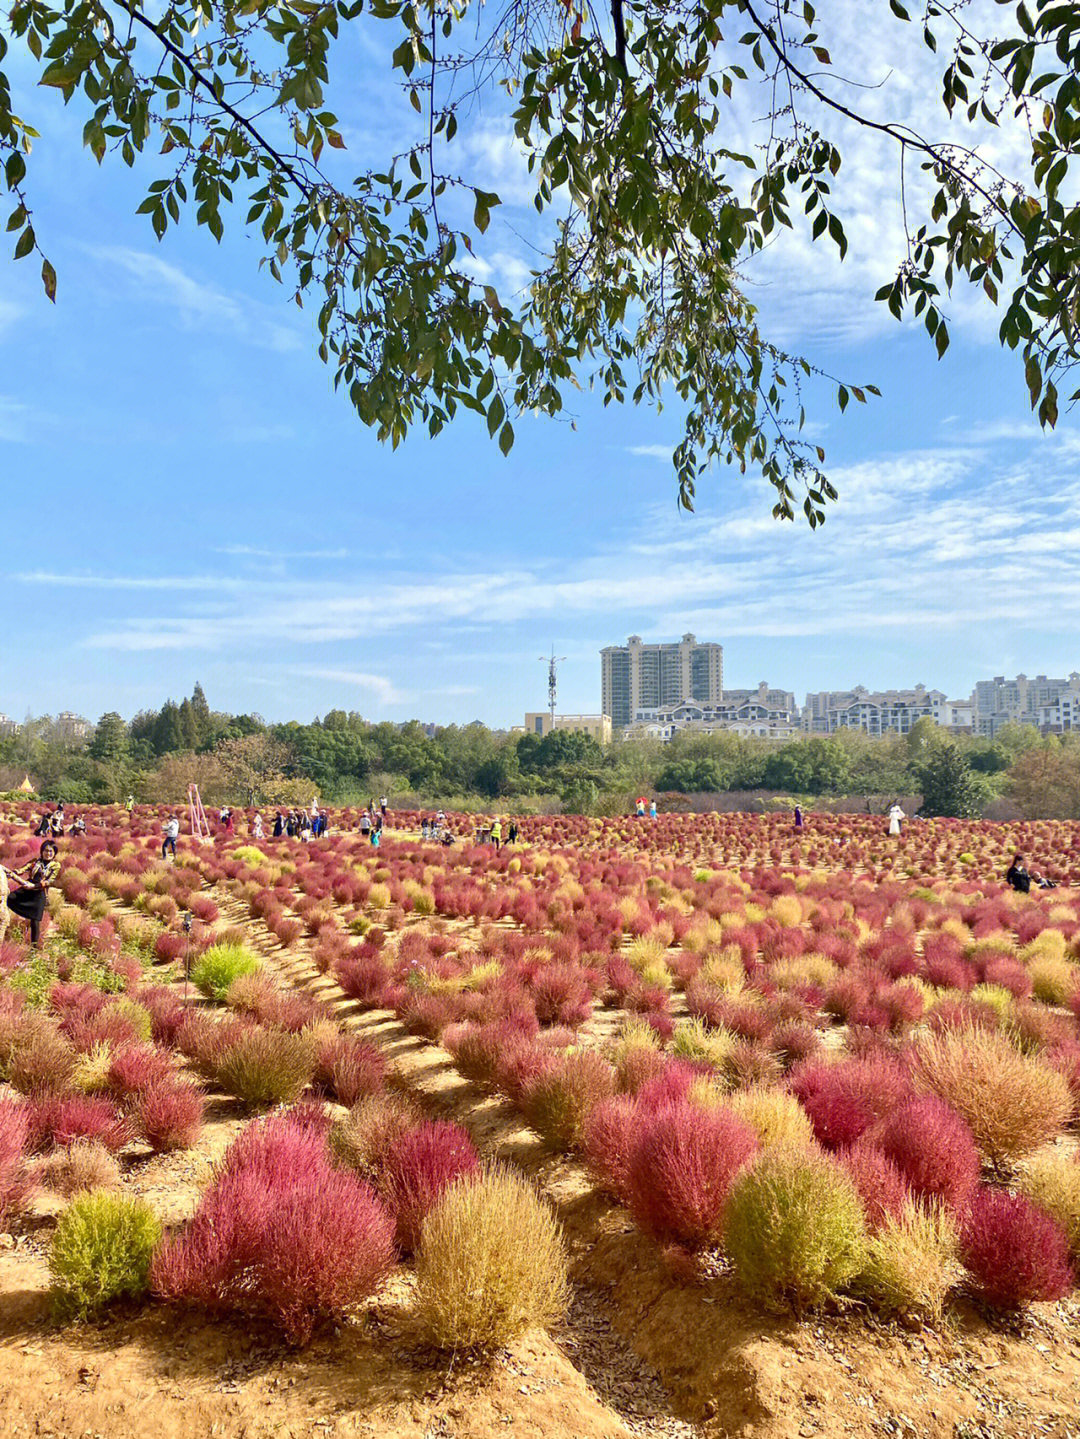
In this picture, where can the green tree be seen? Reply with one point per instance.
(110, 741)
(168, 730)
(627, 114)
(948, 784)
(201, 710)
(189, 727)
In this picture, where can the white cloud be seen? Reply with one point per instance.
(378, 685)
(199, 304)
(652, 452)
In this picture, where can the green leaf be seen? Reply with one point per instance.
(506, 438)
(25, 243)
(48, 279)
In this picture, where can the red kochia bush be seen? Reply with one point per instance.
(844, 1100)
(280, 1233)
(135, 1068)
(167, 1012)
(882, 1188)
(1014, 1251)
(681, 1169)
(608, 1139)
(169, 1115)
(417, 1165)
(61, 1120)
(933, 1149)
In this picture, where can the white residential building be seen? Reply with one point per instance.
(876, 712)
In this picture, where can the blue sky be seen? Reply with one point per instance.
(187, 499)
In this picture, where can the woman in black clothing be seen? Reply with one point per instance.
(30, 899)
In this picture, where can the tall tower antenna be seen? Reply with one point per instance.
(552, 661)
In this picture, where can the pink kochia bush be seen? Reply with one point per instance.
(681, 1168)
(844, 1100)
(932, 1148)
(168, 1114)
(1014, 1251)
(416, 1167)
(280, 1233)
(348, 1069)
(881, 1187)
(55, 1120)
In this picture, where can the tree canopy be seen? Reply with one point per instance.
(626, 115)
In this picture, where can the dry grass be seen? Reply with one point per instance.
(912, 1263)
(79, 1168)
(1014, 1103)
(491, 1265)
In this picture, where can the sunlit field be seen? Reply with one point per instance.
(747, 1090)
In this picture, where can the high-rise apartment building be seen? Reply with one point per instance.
(639, 676)
(1042, 701)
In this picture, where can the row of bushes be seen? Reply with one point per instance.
(290, 1232)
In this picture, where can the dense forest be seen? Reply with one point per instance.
(344, 759)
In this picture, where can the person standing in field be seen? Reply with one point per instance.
(171, 833)
(382, 806)
(512, 833)
(30, 899)
(652, 809)
(130, 803)
(496, 833)
(257, 826)
(798, 817)
(896, 818)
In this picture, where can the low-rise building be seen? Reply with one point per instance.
(597, 727)
(8, 727)
(70, 726)
(765, 712)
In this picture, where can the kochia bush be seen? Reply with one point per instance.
(933, 1149)
(681, 1168)
(416, 1167)
(794, 1228)
(1014, 1252)
(490, 1265)
(101, 1250)
(280, 1233)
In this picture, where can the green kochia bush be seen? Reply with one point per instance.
(795, 1230)
(101, 1250)
(215, 970)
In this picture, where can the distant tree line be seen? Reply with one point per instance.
(344, 759)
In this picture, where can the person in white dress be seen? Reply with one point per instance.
(896, 817)
(257, 827)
